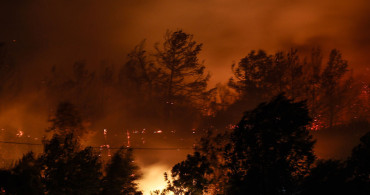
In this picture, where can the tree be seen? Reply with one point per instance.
(327, 177)
(138, 81)
(9, 74)
(341, 177)
(139, 74)
(69, 170)
(251, 76)
(189, 175)
(295, 73)
(359, 163)
(314, 78)
(268, 152)
(77, 87)
(331, 84)
(67, 120)
(121, 174)
(24, 177)
(182, 74)
(270, 149)
(201, 172)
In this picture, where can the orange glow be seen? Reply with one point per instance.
(153, 178)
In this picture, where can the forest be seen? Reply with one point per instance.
(258, 133)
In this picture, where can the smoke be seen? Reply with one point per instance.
(62, 32)
(40, 34)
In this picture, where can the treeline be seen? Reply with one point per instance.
(333, 95)
(150, 88)
(154, 85)
(65, 167)
(270, 151)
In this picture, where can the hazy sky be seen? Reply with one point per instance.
(61, 32)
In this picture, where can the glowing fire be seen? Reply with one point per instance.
(128, 138)
(316, 124)
(106, 146)
(20, 133)
(153, 178)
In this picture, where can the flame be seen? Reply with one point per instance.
(153, 178)
(20, 133)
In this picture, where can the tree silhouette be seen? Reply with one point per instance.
(139, 74)
(327, 177)
(252, 76)
(189, 175)
(69, 170)
(67, 120)
(271, 149)
(182, 73)
(202, 171)
(333, 90)
(24, 177)
(121, 174)
(294, 68)
(313, 74)
(10, 84)
(341, 177)
(268, 152)
(359, 165)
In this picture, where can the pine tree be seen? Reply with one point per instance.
(69, 170)
(67, 120)
(271, 149)
(121, 174)
(183, 74)
(332, 86)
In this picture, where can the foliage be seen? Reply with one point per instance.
(69, 170)
(330, 93)
(121, 174)
(252, 75)
(139, 73)
(202, 171)
(341, 177)
(271, 148)
(333, 88)
(24, 177)
(268, 152)
(182, 73)
(9, 74)
(327, 177)
(67, 120)
(359, 163)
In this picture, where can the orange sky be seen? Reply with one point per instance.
(61, 32)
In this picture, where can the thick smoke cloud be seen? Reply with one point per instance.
(40, 34)
(61, 32)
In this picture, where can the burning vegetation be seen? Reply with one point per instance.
(159, 99)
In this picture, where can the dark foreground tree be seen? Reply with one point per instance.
(359, 165)
(69, 170)
(271, 149)
(203, 171)
(341, 177)
(190, 175)
(269, 152)
(121, 174)
(327, 177)
(23, 178)
(67, 120)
